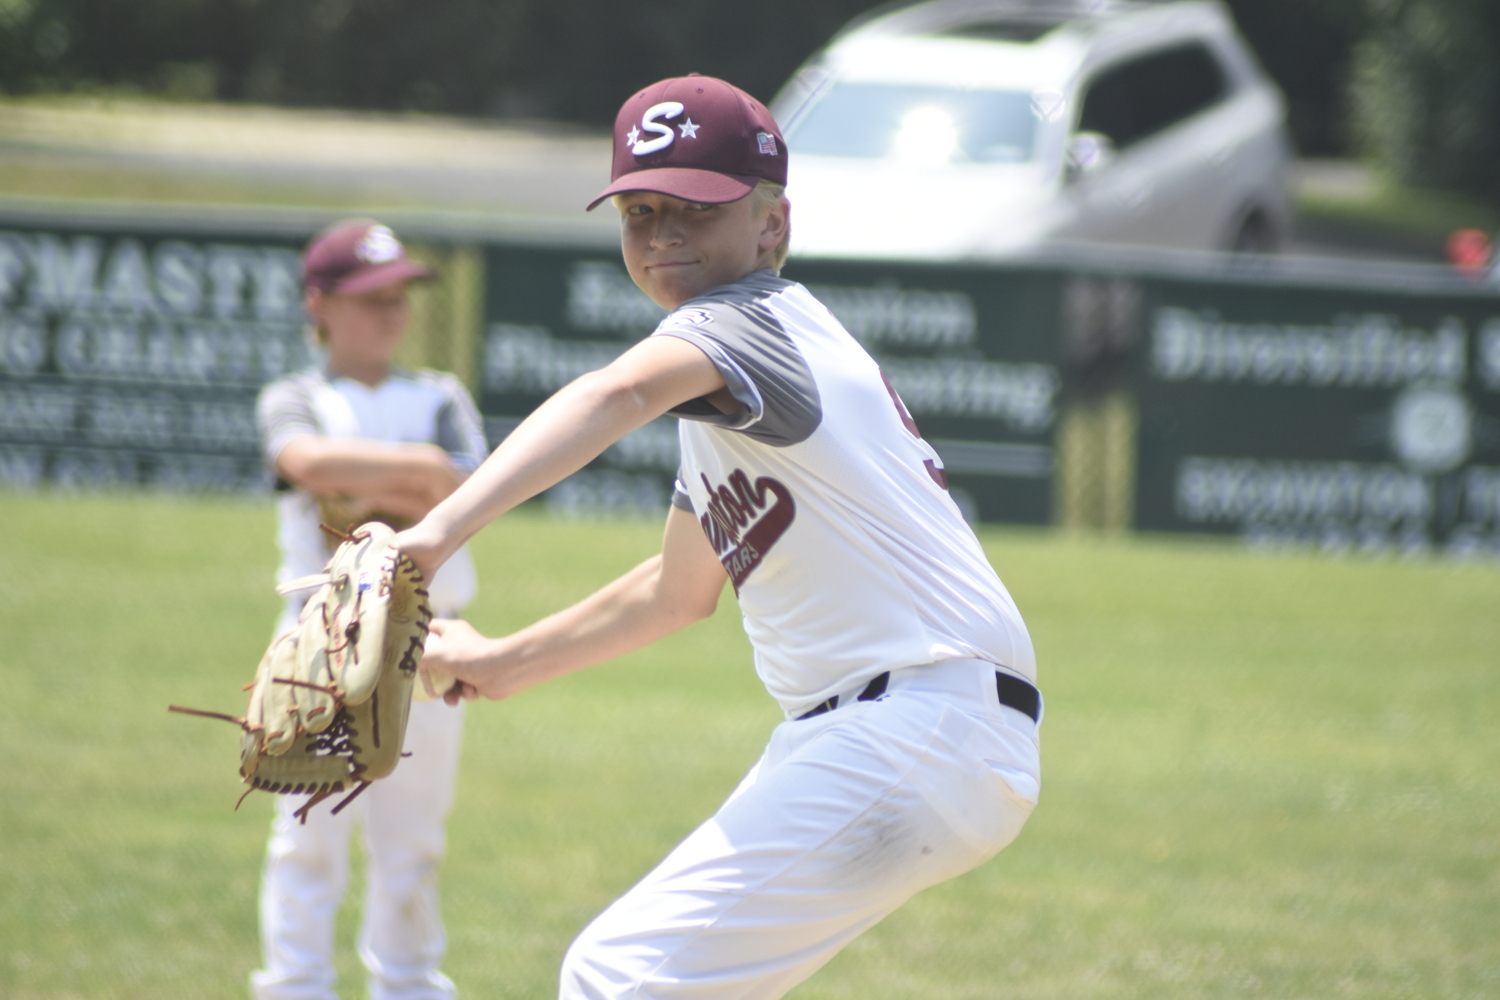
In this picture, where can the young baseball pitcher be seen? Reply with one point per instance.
(354, 440)
(909, 752)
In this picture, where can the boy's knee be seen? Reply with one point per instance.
(602, 965)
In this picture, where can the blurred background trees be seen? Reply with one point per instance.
(1425, 91)
(1412, 84)
(567, 60)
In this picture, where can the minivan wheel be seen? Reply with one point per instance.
(1255, 235)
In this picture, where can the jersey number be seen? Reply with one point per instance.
(938, 475)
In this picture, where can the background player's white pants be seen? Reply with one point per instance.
(401, 940)
(845, 817)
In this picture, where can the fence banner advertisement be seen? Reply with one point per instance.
(135, 359)
(1312, 417)
(1336, 411)
(971, 352)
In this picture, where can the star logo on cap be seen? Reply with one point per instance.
(632, 135)
(379, 246)
(689, 130)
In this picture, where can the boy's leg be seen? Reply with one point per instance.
(402, 940)
(307, 868)
(847, 815)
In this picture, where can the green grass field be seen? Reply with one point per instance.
(1265, 776)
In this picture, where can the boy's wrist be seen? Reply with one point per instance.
(426, 543)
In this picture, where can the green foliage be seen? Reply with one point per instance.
(1264, 775)
(568, 59)
(1306, 46)
(1426, 93)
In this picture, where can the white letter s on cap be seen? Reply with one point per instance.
(664, 133)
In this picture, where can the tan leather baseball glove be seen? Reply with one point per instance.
(342, 514)
(329, 703)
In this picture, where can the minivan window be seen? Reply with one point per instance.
(1002, 31)
(917, 123)
(1139, 98)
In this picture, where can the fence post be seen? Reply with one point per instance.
(1094, 484)
(466, 313)
(1096, 462)
(446, 312)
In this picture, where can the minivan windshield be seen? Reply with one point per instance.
(918, 124)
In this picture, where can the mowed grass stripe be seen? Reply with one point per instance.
(1264, 776)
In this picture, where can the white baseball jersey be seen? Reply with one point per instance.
(423, 407)
(828, 510)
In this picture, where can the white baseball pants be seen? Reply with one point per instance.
(846, 816)
(401, 940)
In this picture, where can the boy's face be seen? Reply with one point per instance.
(361, 328)
(676, 250)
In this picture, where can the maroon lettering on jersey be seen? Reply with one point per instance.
(906, 419)
(939, 476)
(738, 524)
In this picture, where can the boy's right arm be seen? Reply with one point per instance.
(563, 435)
(663, 594)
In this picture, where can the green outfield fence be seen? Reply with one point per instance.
(1292, 402)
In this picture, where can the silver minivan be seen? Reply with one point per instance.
(959, 129)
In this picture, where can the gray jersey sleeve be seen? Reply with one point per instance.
(680, 498)
(460, 430)
(758, 359)
(283, 411)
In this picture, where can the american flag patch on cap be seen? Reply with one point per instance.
(766, 143)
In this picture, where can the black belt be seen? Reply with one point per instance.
(1013, 691)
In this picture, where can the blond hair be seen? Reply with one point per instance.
(767, 193)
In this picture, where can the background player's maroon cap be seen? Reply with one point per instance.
(696, 138)
(357, 256)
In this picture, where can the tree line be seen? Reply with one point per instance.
(1413, 85)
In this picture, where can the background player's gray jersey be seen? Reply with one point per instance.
(421, 407)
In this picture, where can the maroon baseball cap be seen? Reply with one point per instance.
(357, 256)
(696, 138)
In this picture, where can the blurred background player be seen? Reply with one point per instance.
(356, 440)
